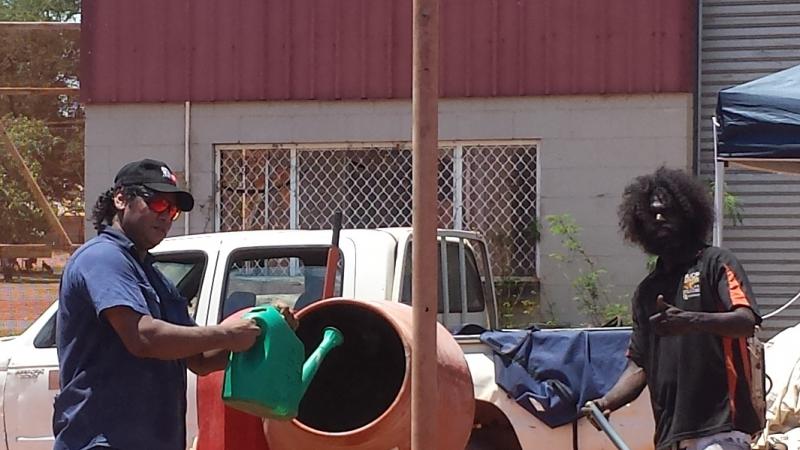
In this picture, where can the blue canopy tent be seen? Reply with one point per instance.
(757, 126)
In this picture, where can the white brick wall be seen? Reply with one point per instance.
(591, 147)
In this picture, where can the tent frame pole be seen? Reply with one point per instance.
(719, 190)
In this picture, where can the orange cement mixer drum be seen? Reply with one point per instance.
(361, 396)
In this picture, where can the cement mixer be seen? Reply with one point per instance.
(360, 396)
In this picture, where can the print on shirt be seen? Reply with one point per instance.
(691, 285)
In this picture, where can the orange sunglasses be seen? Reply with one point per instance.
(159, 205)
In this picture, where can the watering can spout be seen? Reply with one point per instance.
(331, 338)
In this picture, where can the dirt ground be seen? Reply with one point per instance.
(28, 295)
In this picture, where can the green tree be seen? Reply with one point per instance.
(23, 220)
(47, 130)
(39, 147)
(39, 10)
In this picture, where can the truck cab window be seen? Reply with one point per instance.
(46, 338)
(293, 276)
(184, 270)
(476, 299)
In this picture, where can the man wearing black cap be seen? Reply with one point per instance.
(124, 334)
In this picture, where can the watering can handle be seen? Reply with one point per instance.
(258, 318)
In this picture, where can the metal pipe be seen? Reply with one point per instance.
(424, 139)
(293, 219)
(217, 191)
(458, 234)
(494, 314)
(328, 286)
(444, 281)
(294, 222)
(603, 423)
(244, 190)
(187, 111)
(719, 190)
(698, 86)
(458, 187)
(462, 275)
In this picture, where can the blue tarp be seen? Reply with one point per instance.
(761, 118)
(553, 373)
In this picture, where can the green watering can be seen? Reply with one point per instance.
(270, 379)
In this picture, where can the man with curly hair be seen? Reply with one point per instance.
(691, 317)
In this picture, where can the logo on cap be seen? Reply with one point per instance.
(169, 175)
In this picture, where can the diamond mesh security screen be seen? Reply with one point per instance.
(485, 187)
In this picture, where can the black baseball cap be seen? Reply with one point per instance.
(156, 176)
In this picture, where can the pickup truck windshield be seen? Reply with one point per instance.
(293, 276)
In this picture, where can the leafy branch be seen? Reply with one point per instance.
(592, 291)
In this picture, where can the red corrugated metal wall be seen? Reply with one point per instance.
(215, 50)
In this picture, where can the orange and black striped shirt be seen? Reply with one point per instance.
(698, 382)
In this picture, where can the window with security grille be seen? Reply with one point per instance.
(489, 187)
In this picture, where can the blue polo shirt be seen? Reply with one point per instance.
(109, 397)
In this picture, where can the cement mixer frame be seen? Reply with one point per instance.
(222, 272)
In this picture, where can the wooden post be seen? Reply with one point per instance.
(424, 283)
(64, 241)
(30, 90)
(34, 26)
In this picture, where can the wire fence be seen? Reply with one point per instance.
(488, 187)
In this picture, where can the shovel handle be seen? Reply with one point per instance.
(333, 258)
(605, 425)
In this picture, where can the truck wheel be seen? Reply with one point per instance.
(491, 429)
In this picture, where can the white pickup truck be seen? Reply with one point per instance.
(223, 272)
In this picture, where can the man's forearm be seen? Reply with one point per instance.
(146, 337)
(627, 388)
(163, 340)
(737, 323)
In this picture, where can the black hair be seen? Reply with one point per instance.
(104, 210)
(689, 198)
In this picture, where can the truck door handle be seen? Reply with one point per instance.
(52, 380)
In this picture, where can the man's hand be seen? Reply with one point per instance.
(288, 314)
(671, 320)
(241, 333)
(602, 406)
